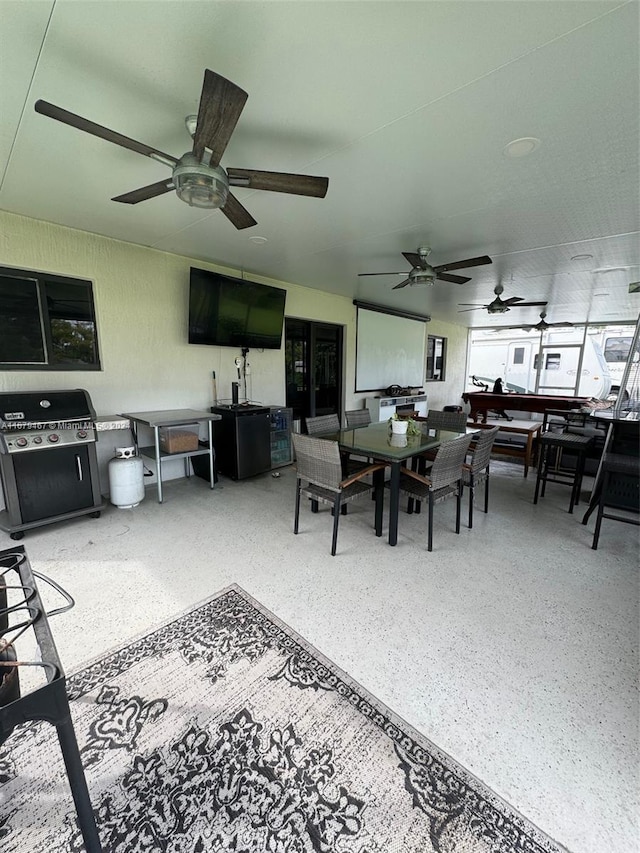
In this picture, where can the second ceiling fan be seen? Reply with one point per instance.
(499, 306)
(423, 273)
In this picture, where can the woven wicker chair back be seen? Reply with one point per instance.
(447, 467)
(482, 452)
(318, 461)
(453, 421)
(358, 418)
(323, 424)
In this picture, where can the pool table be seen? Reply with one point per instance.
(484, 401)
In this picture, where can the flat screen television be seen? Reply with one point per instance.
(233, 312)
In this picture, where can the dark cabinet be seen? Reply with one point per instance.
(242, 439)
(53, 482)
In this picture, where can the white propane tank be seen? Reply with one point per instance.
(126, 478)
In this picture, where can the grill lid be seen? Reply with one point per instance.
(44, 406)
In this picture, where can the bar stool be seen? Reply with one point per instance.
(552, 446)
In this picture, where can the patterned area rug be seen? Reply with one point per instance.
(224, 730)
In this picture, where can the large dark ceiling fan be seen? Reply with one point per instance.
(423, 273)
(500, 306)
(197, 177)
(542, 325)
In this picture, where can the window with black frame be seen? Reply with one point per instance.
(436, 356)
(47, 322)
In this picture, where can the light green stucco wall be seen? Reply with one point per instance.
(141, 302)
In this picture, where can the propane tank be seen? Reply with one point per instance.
(126, 478)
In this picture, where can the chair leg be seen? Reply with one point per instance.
(580, 463)
(336, 519)
(458, 505)
(430, 527)
(553, 460)
(296, 516)
(541, 472)
(596, 533)
(486, 492)
(471, 497)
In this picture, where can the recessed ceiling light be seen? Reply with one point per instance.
(521, 147)
(581, 257)
(259, 241)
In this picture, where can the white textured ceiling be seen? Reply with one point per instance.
(405, 106)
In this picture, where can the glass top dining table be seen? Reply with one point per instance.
(378, 442)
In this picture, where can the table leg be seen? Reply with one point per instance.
(378, 486)
(156, 439)
(212, 473)
(527, 453)
(394, 502)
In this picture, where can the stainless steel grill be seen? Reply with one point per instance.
(48, 461)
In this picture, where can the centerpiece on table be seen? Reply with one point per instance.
(403, 426)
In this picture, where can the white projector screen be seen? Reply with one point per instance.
(390, 350)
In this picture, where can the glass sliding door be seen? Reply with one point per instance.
(313, 364)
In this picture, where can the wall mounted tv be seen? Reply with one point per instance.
(233, 312)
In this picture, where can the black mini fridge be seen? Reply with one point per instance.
(242, 440)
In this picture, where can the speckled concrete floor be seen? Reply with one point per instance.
(512, 646)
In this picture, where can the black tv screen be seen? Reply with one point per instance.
(232, 312)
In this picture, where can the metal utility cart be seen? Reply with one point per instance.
(172, 418)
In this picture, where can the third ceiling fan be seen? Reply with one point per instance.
(499, 305)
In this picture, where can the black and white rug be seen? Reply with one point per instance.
(225, 731)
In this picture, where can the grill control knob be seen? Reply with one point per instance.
(21, 442)
(54, 437)
(82, 433)
(37, 439)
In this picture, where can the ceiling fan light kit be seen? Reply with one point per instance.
(199, 185)
(422, 276)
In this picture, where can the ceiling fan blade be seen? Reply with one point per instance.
(414, 259)
(221, 103)
(237, 214)
(512, 300)
(561, 325)
(464, 310)
(279, 182)
(404, 272)
(474, 304)
(144, 193)
(456, 279)
(529, 304)
(87, 126)
(459, 265)
(402, 284)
